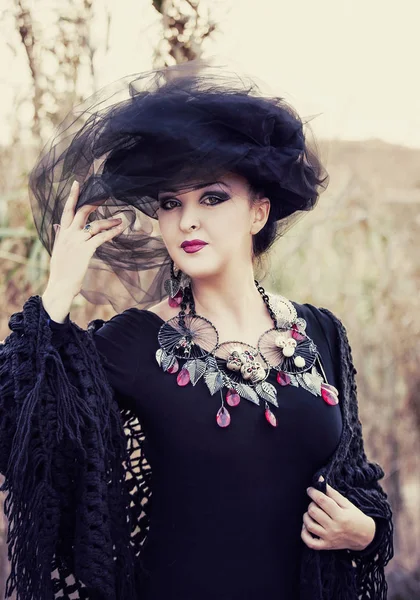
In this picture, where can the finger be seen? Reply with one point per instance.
(101, 224)
(82, 214)
(318, 515)
(68, 211)
(335, 494)
(328, 504)
(104, 236)
(312, 526)
(311, 542)
(337, 497)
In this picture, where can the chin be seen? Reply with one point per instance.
(199, 270)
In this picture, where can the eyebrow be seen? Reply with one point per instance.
(197, 187)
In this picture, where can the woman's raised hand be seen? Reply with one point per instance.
(72, 252)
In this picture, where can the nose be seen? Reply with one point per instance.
(189, 218)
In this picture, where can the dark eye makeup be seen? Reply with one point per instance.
(218, 196)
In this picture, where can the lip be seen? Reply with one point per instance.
(191, 249)
(190, 246)
(195, 243)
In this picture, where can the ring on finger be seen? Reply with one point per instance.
(88, 228)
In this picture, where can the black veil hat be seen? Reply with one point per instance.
(167, 129)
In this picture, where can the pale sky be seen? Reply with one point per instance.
(353, 64)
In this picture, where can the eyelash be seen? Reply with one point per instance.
(219, 199)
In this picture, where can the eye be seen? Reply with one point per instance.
(164, 204)
(215, 199)
(209, 200)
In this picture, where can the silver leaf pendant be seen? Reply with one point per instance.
(311, 383)
(211, 363)
(246, 392)
(305, 381)
(267, 391)
(196, 368)
(167, 361)
(317, 380)
(293, 380)
(172, 287)
(158, 355)
(214, 381)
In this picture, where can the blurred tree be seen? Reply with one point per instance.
(24, 23)
(186, 24)
(60, 57)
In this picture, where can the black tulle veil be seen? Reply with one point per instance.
(168, 129)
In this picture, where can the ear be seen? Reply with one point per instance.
(260, 212)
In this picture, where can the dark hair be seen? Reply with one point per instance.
(265, 238)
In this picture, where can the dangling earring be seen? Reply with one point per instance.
(174, 288)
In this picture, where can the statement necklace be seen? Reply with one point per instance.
(189, 347)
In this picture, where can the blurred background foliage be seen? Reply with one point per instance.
(357, 253)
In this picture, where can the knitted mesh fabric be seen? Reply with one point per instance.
(66, 464)
(80, 490)
(346, 574)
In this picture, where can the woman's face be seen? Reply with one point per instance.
(219, 216)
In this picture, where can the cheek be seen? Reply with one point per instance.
(234, 232)
(229, 239)
(166, 228)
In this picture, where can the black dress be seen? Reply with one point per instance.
(231, 530)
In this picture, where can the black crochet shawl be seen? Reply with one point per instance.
(79, 488)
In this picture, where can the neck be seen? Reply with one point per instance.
(231, 296)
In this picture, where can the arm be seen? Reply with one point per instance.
(62, 448)
(359, 477)
(116, 342)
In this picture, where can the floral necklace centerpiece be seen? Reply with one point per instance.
(189, 347)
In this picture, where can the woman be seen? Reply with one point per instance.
(252, 479)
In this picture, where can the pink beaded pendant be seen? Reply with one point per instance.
(176, 300)
(183, 377)
(270, 417)
(223, 417)
(232, 397)
(296, 335)
(329, 394)
(283, 378)
(174, 367)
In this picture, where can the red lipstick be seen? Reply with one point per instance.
(191, 246)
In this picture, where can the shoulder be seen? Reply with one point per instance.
(317, 316)
(128, 323)
(163, 310)
(334, 331)
(324, 326)
(331, 324)
(126, 342)
(321, 316)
